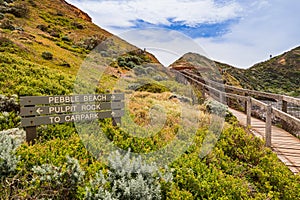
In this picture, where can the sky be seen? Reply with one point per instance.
(237, 32)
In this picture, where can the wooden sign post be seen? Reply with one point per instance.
(41, 110)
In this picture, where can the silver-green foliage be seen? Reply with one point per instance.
(57, 181)
(127, 179)
(8, 159)
(216, 108)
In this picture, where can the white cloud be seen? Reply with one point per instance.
(265, 27)
(111, 13)
(268, 29)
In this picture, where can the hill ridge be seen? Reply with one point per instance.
(279, 74)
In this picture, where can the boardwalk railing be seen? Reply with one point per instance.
(220, 92)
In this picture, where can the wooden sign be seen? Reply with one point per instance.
(42, 110)
(46, 100)
(64, 118)
(46, 110)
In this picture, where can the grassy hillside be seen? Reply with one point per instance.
(43, 44)
(44, 47)
(280, 74)
(205, 67)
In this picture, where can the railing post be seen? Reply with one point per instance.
(268, 132)
(284, 109)
(249, 107)
(245, 104)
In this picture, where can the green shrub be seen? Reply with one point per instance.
(9, 103)
(9, 120)
(139, 70)
(30, 79)
(66, 38)
(194, 178)
(91, 43)
(42, 27)
(56, 182)
(47, 55)
(7, 24)
(127, 178)
(77, 25)
(51, 132)
(32, 3)
(215, 107)
(6, 42)
(153, 87)
(129, 61)
(20, 10)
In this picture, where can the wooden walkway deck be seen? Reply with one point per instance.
(285, 145)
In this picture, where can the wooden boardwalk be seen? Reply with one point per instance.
(285, 145)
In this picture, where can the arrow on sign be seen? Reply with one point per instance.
(39, 111)
(113, 97)
(113, 114)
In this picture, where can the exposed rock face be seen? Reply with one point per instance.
(78, 12)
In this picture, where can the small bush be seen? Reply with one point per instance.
(17, 134)
(8, 159)
(129, 61)
(159, 78)
(139, 70)
(42, 27)
(9, 120)
(5, 42)
(60, 13)
(215, 107)
(65, 64)
(66, 38)
(20, 10)
(9, 103)
(7, 24)
(77, 25)
(90, 43)
(47, 55)
(128, 178)
(32, 3)
(54, 33)
(55, 182)
(153, 87)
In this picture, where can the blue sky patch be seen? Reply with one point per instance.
(207, 30)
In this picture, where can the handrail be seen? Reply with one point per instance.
(249, 101)
(236, 89)
(258, 103)
(278, 97)
(232, 96)
(286, 117)
(292, 100)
